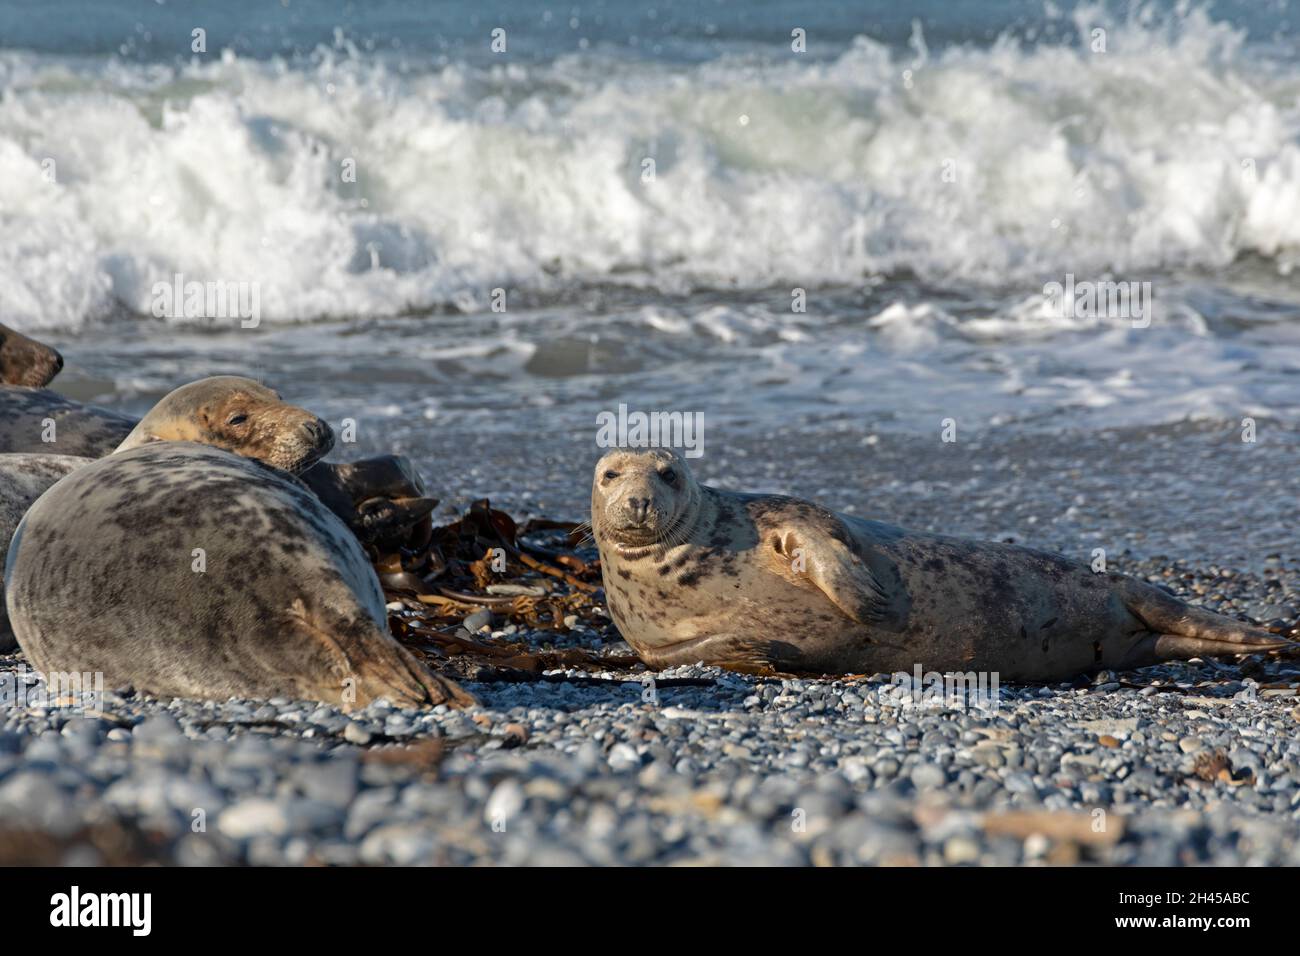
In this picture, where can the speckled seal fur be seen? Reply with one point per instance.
(101, 579)
(765, 583)
(79, 429)
(23, 479)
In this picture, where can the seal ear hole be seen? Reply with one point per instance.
(785, 545)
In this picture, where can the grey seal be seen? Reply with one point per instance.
(185, 570)
(41, 421)
(225, 411)
(765, 583)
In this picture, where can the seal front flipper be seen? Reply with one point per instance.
(749, 655)
(823, 559)
(365, 663)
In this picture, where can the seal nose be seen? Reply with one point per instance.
(319, 434)
(640, 508)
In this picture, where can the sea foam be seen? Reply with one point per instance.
(1006, 165)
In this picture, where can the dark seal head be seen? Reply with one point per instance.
(381, 499)
(240, 416)
(25, 361)
(187, 571)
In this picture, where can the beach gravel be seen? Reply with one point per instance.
(1190, 763)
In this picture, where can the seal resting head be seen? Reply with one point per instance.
(238, 415)
(25, 361)
(642, 498)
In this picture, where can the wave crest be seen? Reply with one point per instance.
(1175, 148)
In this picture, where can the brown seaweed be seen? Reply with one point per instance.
(544, 583)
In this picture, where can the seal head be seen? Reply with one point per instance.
(25, 361)
(643, 498)
(238, 415)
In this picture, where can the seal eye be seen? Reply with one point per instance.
(669, 476)
(238, 419)
(611, 475)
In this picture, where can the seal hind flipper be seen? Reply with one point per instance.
(1186, 630)
(828, 563)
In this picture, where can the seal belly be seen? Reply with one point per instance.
(750, 615)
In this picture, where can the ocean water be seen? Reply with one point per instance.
(675, 207)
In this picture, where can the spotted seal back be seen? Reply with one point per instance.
(185, 570)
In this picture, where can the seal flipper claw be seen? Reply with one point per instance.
(828, 563)
(436, 688)
(385, 516)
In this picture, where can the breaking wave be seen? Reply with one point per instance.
(1178, 147)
